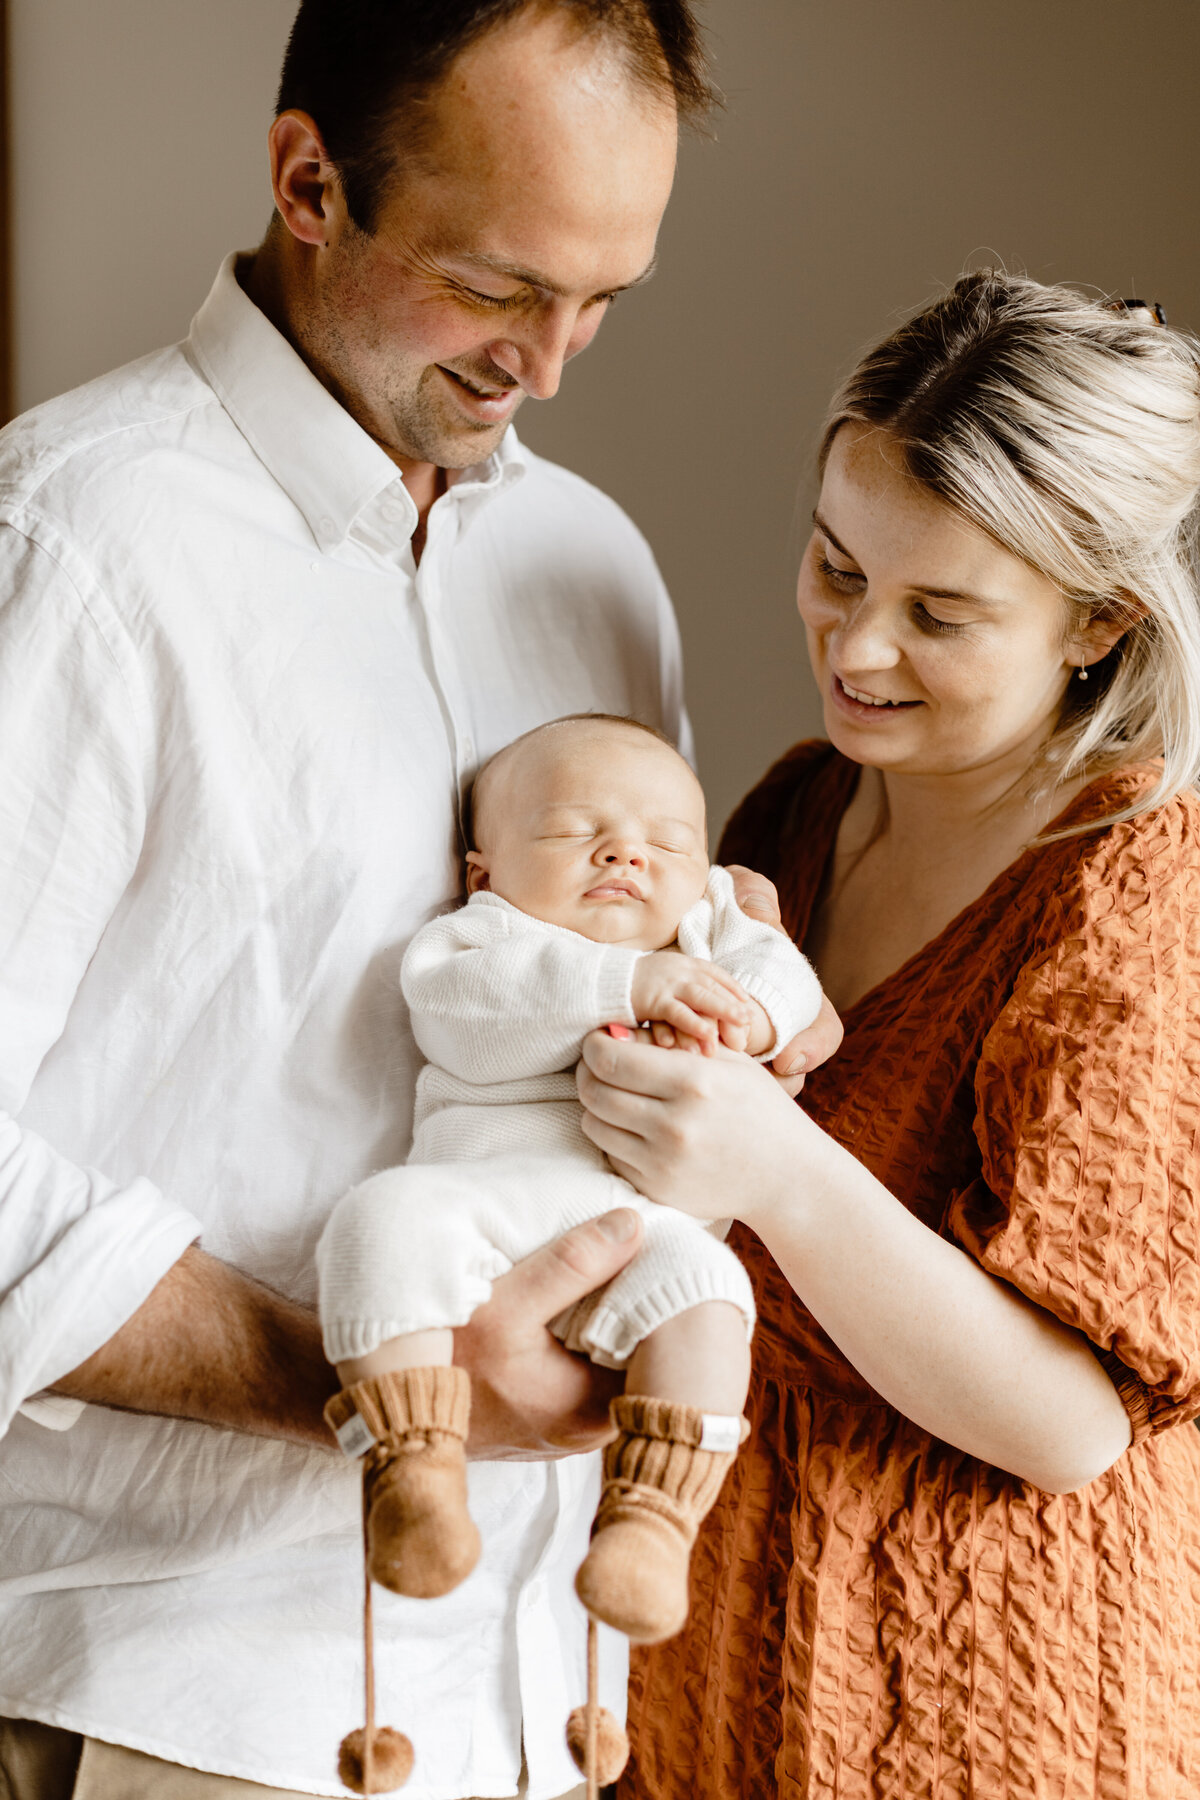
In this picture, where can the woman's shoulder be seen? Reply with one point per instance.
(773, 811)
(1112, 918)
(1135, 867)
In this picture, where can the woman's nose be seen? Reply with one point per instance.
(863, 637)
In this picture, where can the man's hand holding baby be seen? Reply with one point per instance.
(694, 1005)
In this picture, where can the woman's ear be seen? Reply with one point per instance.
(477, 875)
(1104, 630)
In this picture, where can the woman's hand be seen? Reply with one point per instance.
(960, 1352)
(809, 1048)
(711, 1135)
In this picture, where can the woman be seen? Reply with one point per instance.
(960, 1554)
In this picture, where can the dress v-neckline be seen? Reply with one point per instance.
(808, 864)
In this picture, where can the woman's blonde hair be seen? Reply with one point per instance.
(1070, 433)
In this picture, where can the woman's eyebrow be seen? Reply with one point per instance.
(822, 527)
(915, 587)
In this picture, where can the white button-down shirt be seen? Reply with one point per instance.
(235, 720)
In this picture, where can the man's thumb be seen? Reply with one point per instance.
(562, 1272)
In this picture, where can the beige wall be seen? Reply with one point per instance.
(870, 148)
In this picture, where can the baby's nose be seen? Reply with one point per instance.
(627, 852)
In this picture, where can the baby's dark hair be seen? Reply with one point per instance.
(470, 809)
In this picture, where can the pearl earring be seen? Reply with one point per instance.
(1083, 674)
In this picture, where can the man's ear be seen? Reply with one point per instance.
(477, 875)
(308, 193)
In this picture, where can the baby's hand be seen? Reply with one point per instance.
(753, 1040)
(695, 999)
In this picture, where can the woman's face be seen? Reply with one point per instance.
(936, 650)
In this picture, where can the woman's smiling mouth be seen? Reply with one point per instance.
(860, 704)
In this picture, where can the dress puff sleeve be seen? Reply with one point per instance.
(1088, 1114)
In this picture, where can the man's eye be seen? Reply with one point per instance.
(493, 302)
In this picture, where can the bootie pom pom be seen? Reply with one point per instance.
(612, 1746)
(391, 1761)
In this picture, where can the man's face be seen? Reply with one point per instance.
(536, 197)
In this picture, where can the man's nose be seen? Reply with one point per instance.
(534, 355)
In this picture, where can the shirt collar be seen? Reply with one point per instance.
(324, 461)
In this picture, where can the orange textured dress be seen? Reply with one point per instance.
(875, 1613)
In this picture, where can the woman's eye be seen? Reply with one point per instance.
(846, 581)
(929, 622)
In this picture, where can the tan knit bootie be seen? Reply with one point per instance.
(660, 1479)
(421, 1540)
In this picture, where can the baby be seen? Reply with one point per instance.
(591, 903)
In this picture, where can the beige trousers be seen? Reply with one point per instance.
(40, 1762)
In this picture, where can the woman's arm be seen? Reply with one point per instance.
(962, 1354)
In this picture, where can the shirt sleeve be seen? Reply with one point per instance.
(79, 1252)
(497, 996)
(1088, 1117)
(761, 960)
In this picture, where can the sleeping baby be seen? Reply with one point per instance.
(591, 903)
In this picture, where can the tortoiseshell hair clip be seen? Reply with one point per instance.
(1155, 313)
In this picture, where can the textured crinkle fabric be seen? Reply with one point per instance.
(875, 1615)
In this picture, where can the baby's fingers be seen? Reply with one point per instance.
(676, 1012)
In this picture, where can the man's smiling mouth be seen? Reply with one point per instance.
(479, 389)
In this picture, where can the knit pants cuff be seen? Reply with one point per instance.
(407, 1401)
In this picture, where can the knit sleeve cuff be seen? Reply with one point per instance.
(614, 987)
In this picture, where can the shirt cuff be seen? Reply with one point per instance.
(90, 1283)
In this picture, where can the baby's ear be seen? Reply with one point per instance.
(477, 875)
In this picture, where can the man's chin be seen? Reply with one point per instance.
(461, 445)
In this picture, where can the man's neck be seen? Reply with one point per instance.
(263, 280)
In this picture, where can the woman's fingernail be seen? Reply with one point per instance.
(797, 1068)
(618, 1031)
(620, 1225)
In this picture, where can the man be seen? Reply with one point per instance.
(266, 602)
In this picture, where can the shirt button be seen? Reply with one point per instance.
(468, 750)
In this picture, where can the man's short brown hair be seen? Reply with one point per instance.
(357, 67)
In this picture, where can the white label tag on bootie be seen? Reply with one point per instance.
(720, 1431)
(355, 1437)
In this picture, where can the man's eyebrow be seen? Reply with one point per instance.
(496, 265)
(915, 587)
